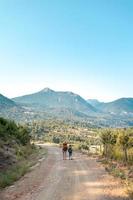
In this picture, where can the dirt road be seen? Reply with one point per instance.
(55, 179)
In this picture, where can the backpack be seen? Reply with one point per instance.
(64, 146)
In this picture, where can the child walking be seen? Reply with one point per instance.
(70, 151)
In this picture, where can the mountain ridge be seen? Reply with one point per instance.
(118, 106)
(48, 98)
(50, 104)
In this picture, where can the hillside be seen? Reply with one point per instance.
(94, 102)
(11, 110)
(17, 154)
(13, 139)
(6, 103)
(119, 106)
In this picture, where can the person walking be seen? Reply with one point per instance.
(70, 151)
(64, 150)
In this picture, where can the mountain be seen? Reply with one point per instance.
(49, 104)
(6, 103)
(94, 102)
(11, 110)
(119, 106)
(52, 101)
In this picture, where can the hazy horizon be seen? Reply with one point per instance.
(83, 47)
(56, 90)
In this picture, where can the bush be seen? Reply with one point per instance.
(10, 130)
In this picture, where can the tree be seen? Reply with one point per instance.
(124, 141)
(24, 135)
(108, 138)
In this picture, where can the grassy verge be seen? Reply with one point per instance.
(13, 174)
(124, 172)
(29, 158)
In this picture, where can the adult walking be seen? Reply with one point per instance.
(64, 150)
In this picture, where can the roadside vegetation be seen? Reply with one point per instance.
(17, 154)
(118, 154)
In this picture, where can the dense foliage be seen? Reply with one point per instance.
(10, 130)
(118, 144)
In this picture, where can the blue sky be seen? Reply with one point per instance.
(84, 46)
